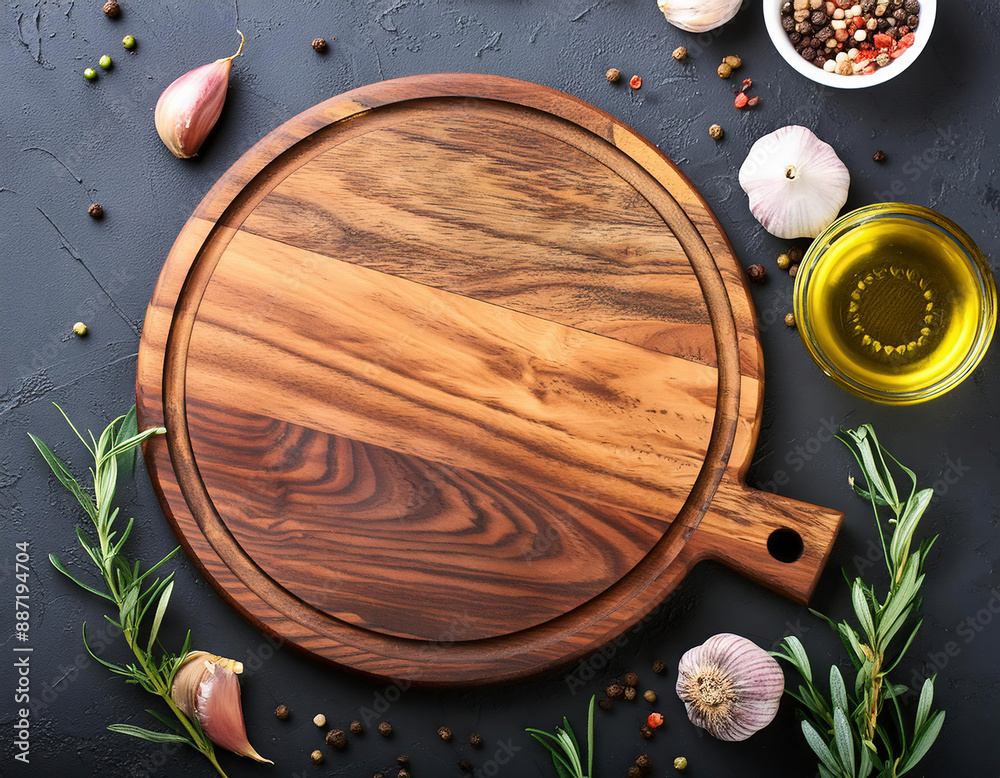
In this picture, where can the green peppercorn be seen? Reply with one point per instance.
(90, 74)
(680, 763)
(649, 695)
(784, 261)
(316, 756)
(105, 62)
(80, 328)
(128, 42)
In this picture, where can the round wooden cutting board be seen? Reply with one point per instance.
(460, 377)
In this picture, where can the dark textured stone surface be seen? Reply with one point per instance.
(66, 143)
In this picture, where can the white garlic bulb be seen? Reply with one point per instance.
(699, 15)
(796, 183)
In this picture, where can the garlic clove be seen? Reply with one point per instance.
(699, 15)
(189, 108)
(796, 183)
(730, 686)
(206, 688)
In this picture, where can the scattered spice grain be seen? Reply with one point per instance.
(724, 70)
(604, 704)
(112, 9)
(319, 720)
(630, 693)
(614, 691)
(680, 53)
(319, 44)
(646, 731)
(465, 765)
(643, 761)
(756, 273)
(795, 254)
(659, 666)
(635, 82)
(789, 319)
(649, 696)
(476, 740)
(385, 728)
(879, 156)
(631, 679)
(316, 756)
(282, 712)
(336, 738)
(444, 733)
(356, 728)
(403, 760)
(784, 261)
(716, 132)
(96, 211)
(680, 763)
(793, 271)
(80, 329)
(614, 75)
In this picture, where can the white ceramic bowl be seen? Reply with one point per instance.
(772, 19)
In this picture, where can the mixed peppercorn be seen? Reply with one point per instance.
(848, 37)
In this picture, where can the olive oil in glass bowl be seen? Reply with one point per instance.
(895, 303)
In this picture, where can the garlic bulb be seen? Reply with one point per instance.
(206, 688)
(699, 15)
(730, 686)
(796, 183)
(189, 108)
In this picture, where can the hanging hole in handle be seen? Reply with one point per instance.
(785, 545)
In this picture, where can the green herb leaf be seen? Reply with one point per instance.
(844, 739)
(838, 692)
(152, 737)
(62, 569)
(819, 747)
(923, 742)
(924, 704)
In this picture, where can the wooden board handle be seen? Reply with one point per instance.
(780, 542)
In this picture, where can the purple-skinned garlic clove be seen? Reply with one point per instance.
(189, 108)
(730, 686)
(206, 688)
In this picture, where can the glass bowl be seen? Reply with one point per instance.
(895, 303)
(772, 20)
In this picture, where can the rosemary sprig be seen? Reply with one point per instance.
(136, 595)
(846, 731)
(565, 749)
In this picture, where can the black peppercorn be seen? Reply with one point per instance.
(642, 761)
(614, 691)
(646, 731)
(614, 75)
(659, 667)
(403, 774)
(604, 704)
(282, 712)
(631, 679)
(757, 273)
(112, 9)
(634, 772)
(96, 211)
(444, 733)
(465, 765)
(795, 254)
(385, 729)
(379, 775)
(476, 740)
(336, 738)
(356, 728)
(403, 760)
(319, 45)
(879, 156)
(630, 693)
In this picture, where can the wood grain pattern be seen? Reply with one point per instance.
(460, 377)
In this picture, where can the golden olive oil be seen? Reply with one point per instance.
(896, 305)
